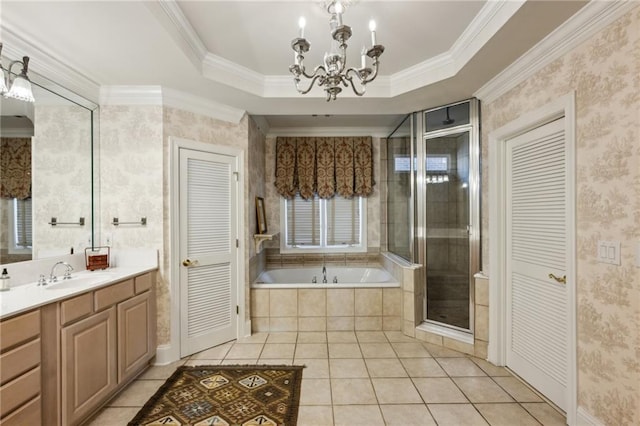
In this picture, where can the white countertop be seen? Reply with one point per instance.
(29, 296)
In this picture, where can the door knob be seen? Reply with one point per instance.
(188, 262)
(561, 280)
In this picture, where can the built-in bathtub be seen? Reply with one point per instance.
(336, 277)
(364, 298)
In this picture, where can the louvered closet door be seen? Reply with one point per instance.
(537, 313)
(208, 232)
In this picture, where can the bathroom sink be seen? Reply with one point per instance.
(79, 281)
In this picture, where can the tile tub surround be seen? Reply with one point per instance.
(410, 277)
(366, 377)
(339, 309)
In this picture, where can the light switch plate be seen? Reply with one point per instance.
(608, 252)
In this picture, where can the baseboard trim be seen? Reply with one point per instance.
(247, 328)
(165, 355)
(583, 418)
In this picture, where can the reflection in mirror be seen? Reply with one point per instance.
(46, 151)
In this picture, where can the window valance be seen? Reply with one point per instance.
(15, 168)
(325, 166)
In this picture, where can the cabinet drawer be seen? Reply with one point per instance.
(19, 329)
(76, 308)
(111, 295)
(17, 361)
(143, 283)
(28, 414)
(18, 391)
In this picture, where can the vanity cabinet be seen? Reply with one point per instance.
(88, 364)
(136, 335)
(108, 336)
(20, 375)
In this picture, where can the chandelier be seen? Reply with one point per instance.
(18, 87)
(332, 74)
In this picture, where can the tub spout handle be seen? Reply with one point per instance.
(314, 280)
(335, 280)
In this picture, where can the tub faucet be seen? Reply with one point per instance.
(67, 273)
(324, 274)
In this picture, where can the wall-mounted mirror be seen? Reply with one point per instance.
(46, 171)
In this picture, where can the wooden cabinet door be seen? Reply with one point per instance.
(135, 339)
(88, 364)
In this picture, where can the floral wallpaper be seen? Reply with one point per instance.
(256, 189)
(61, 170)
(604, 72)
(135, 181)
(192, 126)
(131, 176)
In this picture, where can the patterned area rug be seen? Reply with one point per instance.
(225, 395)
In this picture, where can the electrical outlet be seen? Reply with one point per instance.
(608, 252)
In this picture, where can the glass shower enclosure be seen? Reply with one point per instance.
(433, 176)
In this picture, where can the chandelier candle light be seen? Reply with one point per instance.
(20, 85)
(331, 75)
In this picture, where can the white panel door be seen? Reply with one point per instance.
(536, 255)
(208, 252)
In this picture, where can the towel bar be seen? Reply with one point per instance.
(54, 222)
(116, 222)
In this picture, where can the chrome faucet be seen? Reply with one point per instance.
(324, 274)
(67, 273)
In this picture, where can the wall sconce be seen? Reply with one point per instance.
(18, 87)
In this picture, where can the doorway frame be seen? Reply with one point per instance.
(563, 106)
(175, 144)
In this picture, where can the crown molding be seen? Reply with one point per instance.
(492, 16)
(428, 72)
(231, 74)
(191, 42)
(159, 96)
(47, 66)
(130, 95)
(376, 132)
(588, 21)
(180, 100)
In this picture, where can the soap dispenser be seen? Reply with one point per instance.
(5, 280)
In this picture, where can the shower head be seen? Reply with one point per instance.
(449, 120)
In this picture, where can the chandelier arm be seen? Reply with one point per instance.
(315, 72)
(308, 89)
(349, 78)
(374, 74)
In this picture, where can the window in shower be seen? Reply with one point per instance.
(400, 167)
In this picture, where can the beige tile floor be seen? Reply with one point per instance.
(367, 378)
